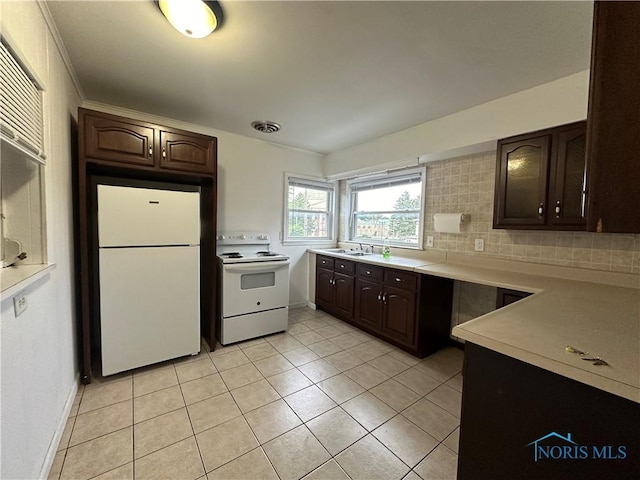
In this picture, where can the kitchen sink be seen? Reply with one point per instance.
(353, 253)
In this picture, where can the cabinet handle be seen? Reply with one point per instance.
(398, 279)
(164, 153)
(150, 151)
(333, 282)
(541, 210)
(384, 297)
(341, 265)
(368, 272)
(380, 296)
(558, 209)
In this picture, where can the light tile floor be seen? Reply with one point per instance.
(322, 401)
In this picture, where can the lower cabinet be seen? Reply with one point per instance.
(521, 421)
(368, 298)
(409, 310)
(399, 320)
(335, 286)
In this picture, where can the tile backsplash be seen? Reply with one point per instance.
(466, 185)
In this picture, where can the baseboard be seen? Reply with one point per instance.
(55, 441)
(297, 305)
(312, 305)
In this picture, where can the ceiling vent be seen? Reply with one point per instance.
(265, 126)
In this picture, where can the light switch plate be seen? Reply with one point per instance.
(478, 245)
(430, 241)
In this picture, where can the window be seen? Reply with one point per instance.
(389, 206)
(309, 212)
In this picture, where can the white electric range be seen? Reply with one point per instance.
(254, 287)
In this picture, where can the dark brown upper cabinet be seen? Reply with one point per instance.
(110, 138)
(613, 136)
(540, 180)
(189, 152)
(118, 139)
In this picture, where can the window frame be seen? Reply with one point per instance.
(381, 180)
(311, 181)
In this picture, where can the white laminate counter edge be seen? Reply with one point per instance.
(16, 279)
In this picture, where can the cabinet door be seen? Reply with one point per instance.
(344, 289)
(369, 307)
(118, 140)
(521, 182)
(613, 146)
(567, 195)
(399, 321)
(191, 153)
(324, 288)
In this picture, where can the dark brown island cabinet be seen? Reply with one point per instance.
(585, 175)
(406, 309)
(124, 151)
(521, 421)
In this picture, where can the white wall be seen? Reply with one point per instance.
(38, 358)
(555, 103)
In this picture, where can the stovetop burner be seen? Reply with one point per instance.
(245, 247)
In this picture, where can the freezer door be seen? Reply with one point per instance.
(149, 305)
(129, 216)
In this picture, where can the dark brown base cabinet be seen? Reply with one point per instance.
(123, 151)
(406, 309)
(334, 286)
(521, 421)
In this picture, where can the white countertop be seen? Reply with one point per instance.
(599, 314)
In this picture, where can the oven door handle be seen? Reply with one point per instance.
(256, 267)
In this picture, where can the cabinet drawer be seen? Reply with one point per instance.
(399, 279)
(325, 262)
(344, 266)
(372, 273)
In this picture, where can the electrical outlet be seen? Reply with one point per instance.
(478, 245)
(20, 304)
(430, 241)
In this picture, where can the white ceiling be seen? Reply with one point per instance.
(333, 74)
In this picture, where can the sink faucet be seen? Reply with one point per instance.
(361, 249)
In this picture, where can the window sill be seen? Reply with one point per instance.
(14, 279)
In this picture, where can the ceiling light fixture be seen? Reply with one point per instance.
(265, 126)
(192, 18)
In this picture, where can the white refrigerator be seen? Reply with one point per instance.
(149, 272)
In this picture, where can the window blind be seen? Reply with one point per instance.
(406, 179)
(314, 184)
(20, 105)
